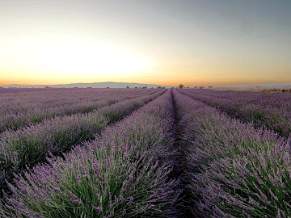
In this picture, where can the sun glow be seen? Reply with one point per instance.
(97, 58)
(73, 57)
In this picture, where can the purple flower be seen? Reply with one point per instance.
(74, 199)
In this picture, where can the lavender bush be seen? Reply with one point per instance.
(229, 167)
(236, 170)
(19, 110)
(26, 147)
(123, 173)
(271, 111)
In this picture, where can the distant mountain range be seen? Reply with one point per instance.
(105, 85)
(132, 85)
(90, 85)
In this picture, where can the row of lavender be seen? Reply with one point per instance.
(123, 173)
(27, 108)
(25, 100)
(235, 169)
(29, 146)
(271, 111)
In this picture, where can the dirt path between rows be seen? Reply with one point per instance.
(180, 167)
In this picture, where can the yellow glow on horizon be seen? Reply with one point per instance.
(66, 59)
(61, 58)
(69, 57)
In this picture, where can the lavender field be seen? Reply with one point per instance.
(85, 152)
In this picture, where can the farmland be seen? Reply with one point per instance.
(144, 153)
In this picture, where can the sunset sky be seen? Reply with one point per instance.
(195, 42)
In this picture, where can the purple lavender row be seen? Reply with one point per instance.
(26, 147)
(26, 101)
(124, 173)
(33, 110)
(236, 170)
(271, 111)
(57, 97)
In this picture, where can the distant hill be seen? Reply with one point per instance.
(91, 85)
(105, 85)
